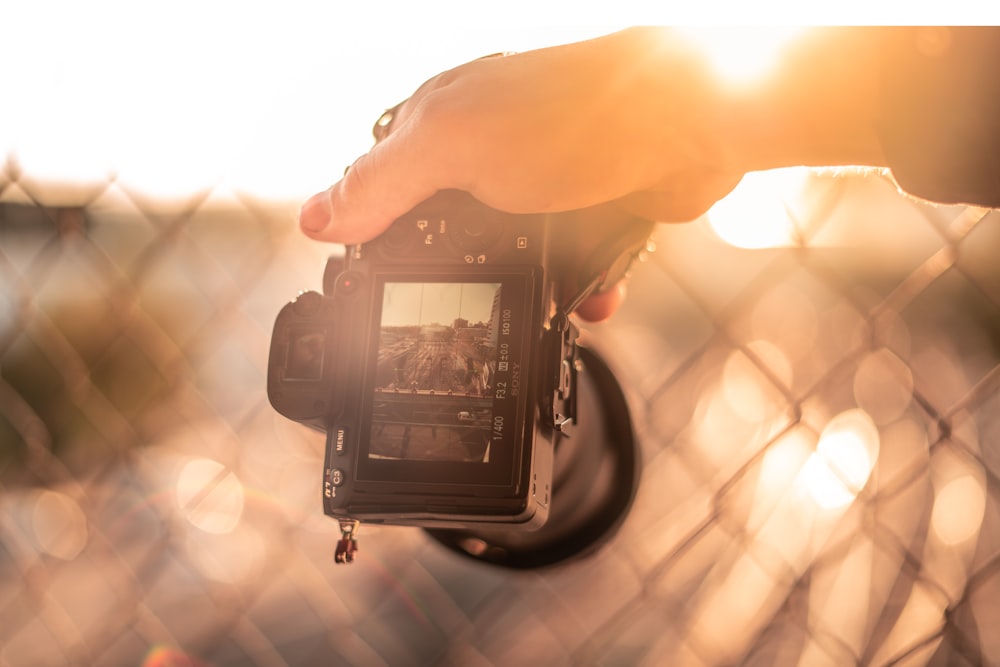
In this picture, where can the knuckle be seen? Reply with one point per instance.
(360, 177)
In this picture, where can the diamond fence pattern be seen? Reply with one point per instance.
(818, 427)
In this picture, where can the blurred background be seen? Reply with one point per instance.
(816, 402)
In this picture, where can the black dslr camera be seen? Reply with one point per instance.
(441, 363)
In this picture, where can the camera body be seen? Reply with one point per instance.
(441, 364)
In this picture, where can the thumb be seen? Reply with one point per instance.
(379, 187)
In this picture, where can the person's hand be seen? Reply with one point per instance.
(637, 118)
(549, 130)
(624, 117)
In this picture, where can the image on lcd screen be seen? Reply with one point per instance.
(433, 395)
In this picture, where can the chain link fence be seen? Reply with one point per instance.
(817, 425)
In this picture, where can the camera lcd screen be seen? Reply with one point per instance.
(445, 379)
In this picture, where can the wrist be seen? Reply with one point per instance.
(939, 121)
(819, 106)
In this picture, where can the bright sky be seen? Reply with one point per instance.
(407, 304)
(275, 98)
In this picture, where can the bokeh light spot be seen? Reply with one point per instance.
(786, 318)
(883, 386)
(59, 524)
(843, 461)
(209, 496)
(958, 510)
(754, 214)
(746, 389)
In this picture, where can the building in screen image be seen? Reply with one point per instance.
(434, 373)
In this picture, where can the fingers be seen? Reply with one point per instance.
(600, 307)
(405, 167)
(380, 186)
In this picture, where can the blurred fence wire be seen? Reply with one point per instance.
(819, 429)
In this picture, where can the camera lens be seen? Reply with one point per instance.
(595, 479)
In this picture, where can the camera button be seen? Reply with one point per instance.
(349, 282)
(307, 303)
(340, 440)
(336, 477)
(399, 236)
(478, 233)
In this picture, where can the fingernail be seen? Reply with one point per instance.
(315, 214)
